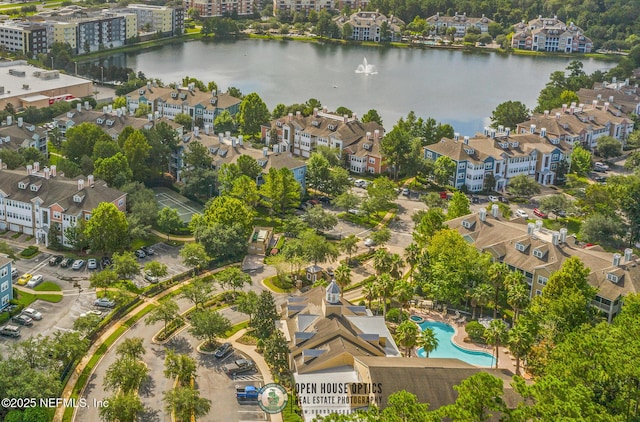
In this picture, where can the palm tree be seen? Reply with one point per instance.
(497, 273)
(480, 296)
(407, 336)
(395, 266)
(496, 334)
(428, 341)
(519, 342)
(384, 286)
(370, 292)
(349, 244)
(403, 291)
(517, 293)
(342, 276)
(180, 366)
(381, 261)
(411, 256)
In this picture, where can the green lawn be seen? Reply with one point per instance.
(236, 328)
(48, 286)
(269, 283)
(27, 298)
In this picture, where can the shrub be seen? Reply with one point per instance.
(29, 251)
(4, 317)
(475, 330)
(394, 315)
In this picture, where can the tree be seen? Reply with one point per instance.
(208, 324)
(519, 342)
(106, 228)
(114, 170)
(608, 147)
(131, 348)
(602, 229)
(125, 375)
(246, 190)
(318, 172)
(381, 237)
(186, 404)
(87, 323)
(169, 220)
(224, 122)
(428, 341)
(343, 277)
(443, 170)
(194, 255)
(495, 335)
(317, 218)
(222, 241)
(249, 166)
(555, 203)
(184, 120)
(459, 205)
(633, 160)
(380, 195)
(266, 315)
(407, 335)
(372, 116)
(125, 264)
(509, 114)
(347, 201)
(166, 312)
(580, 161)
(385, 286)
(248, 304)
(349, 244)
(12, 159)
(517, 293)
(198, 292)
(103, 279)
(523, 186)
(478, 396)
(403, 293)
(81, 140)
(281, 189)
(181, 367)
(276, 355)
(430, 223)
(253, 112)
(395, 147)
(123, 407)
(227, 211)
(136, 149)
(316, 248)
(234, 278)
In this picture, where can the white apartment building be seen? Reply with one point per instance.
(550, 34)
(212, 8)
(368, 26)
(304, 6)
(32, 200)
(461, 22)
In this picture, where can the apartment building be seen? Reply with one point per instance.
(498, 156)
(620, 96)
(551, 35)
(163, 19)
(213, 8)
(370, 26)
(303, 6)
(32, 200)
(358, 142)
(18, 135)
(62, 32)
(169, 102)
(226, 149)
(101, 32)
(537, 253)
(460, 22)
(23, 37)
(6, 290)
(581, 123)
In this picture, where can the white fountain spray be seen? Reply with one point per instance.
(366, 68)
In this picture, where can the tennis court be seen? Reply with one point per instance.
(185, 207)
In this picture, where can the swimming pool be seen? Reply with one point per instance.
(447, 349)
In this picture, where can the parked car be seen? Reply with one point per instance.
(368, 242)
(104, 302)
(77, 264)
(66, 262)
(32, 313)
(522, 213)
(92, 312)
(24, 279)
(474, 199)
(602, 165)
(493, 198)
(223, 350)
(503, 199)
(92, 264)
(105, 262)
(359, 183)
(150, 277)
(324, 199)
(35, 280)
(538, 212)
(148, 250)
(560, 213)
(22, 320)
(599, 169)
(55, 260)
(248, 393)
(354, 211)
(406, 191)
(14, 272)
(10, 331)
(239, 366)
(140, 253)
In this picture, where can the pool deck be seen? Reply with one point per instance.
(505, 360)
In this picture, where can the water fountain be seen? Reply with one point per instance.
(366, 68)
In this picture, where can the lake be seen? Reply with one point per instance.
(455, 87)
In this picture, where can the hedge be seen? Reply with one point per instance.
(29, 252)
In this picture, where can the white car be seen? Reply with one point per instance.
(359, 183)
(368, 242)
(91, 312)
(35, 280)
(493, 198)
(602, 166)
(32, 313)
(521, 213)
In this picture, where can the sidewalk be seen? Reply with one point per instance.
(260, 363)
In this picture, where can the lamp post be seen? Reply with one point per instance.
(102, 75)
(76, 64)
(210, 190)
(52, 62)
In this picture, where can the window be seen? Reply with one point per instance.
(542, 280)
(521, 247)
(4, 272)
(372, 160)
(613, 278)
(429, 154)
(5, 286)
(539, 253)
(538, 293)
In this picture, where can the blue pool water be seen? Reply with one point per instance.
(447, 349)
